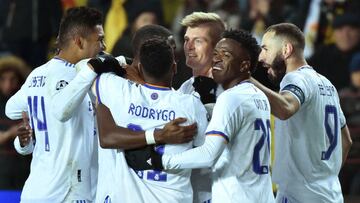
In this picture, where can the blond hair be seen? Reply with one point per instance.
(212, 20)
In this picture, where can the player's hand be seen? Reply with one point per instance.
(173, 133)
(145, 158)
(24, 131)
(105, 63)
(206, 87)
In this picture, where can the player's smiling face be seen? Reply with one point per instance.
(271, 57)
(94, 42)
(228, 63)
(197, 47)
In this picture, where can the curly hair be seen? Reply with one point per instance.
(156, 56)
(248, 42)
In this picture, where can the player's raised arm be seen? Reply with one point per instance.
(77, 89)
(16, 104)
(74, 93)
(283, 104)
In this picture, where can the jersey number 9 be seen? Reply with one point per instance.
(332, 134)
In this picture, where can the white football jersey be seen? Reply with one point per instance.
(188, 88)
(308, 149)
(241, 172)
(142, 107)
(63, 151)
(200, 178)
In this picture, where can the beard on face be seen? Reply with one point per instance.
(279, 68)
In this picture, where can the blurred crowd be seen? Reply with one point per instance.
(332, 29)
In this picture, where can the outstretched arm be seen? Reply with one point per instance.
(113, 136)
(78, 88)
(200, 157)
(283, 104)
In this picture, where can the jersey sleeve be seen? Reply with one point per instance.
(341, 114)
(201, 120)
(74, 92)
(28, 149)
(187, 87)
(17, 104)
(200, 157)
(295, 83)
(109, 86)
(224, 118)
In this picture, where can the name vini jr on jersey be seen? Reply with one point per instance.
(261, 104)
(151, 113)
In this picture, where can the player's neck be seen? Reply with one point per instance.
(202, 72)
(166, 82)
(235, 82)
(68, 56)
(157, 83)
(294, 63)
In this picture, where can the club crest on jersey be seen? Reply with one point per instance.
(61, 84)
(154, 96)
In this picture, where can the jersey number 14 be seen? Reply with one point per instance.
(38, 117)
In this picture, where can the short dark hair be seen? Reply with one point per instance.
(148, 32)
(78, 21)
(291, 32)
(156, 56)
(248, 42)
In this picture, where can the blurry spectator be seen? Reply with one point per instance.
(318, 27)
(228, 10)
(333, 60)
(350, 103)
(350, 96)
(139, 14)
(14, 167)
(26, 28)
(261, 14)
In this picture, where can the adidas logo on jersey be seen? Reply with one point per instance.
(149, 162)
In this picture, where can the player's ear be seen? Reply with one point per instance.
(287, 50)
(140, 68)
(79, 42)
(245, 66)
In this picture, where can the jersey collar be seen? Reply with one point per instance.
(68, 64)
(305, 67)
(156, 87)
